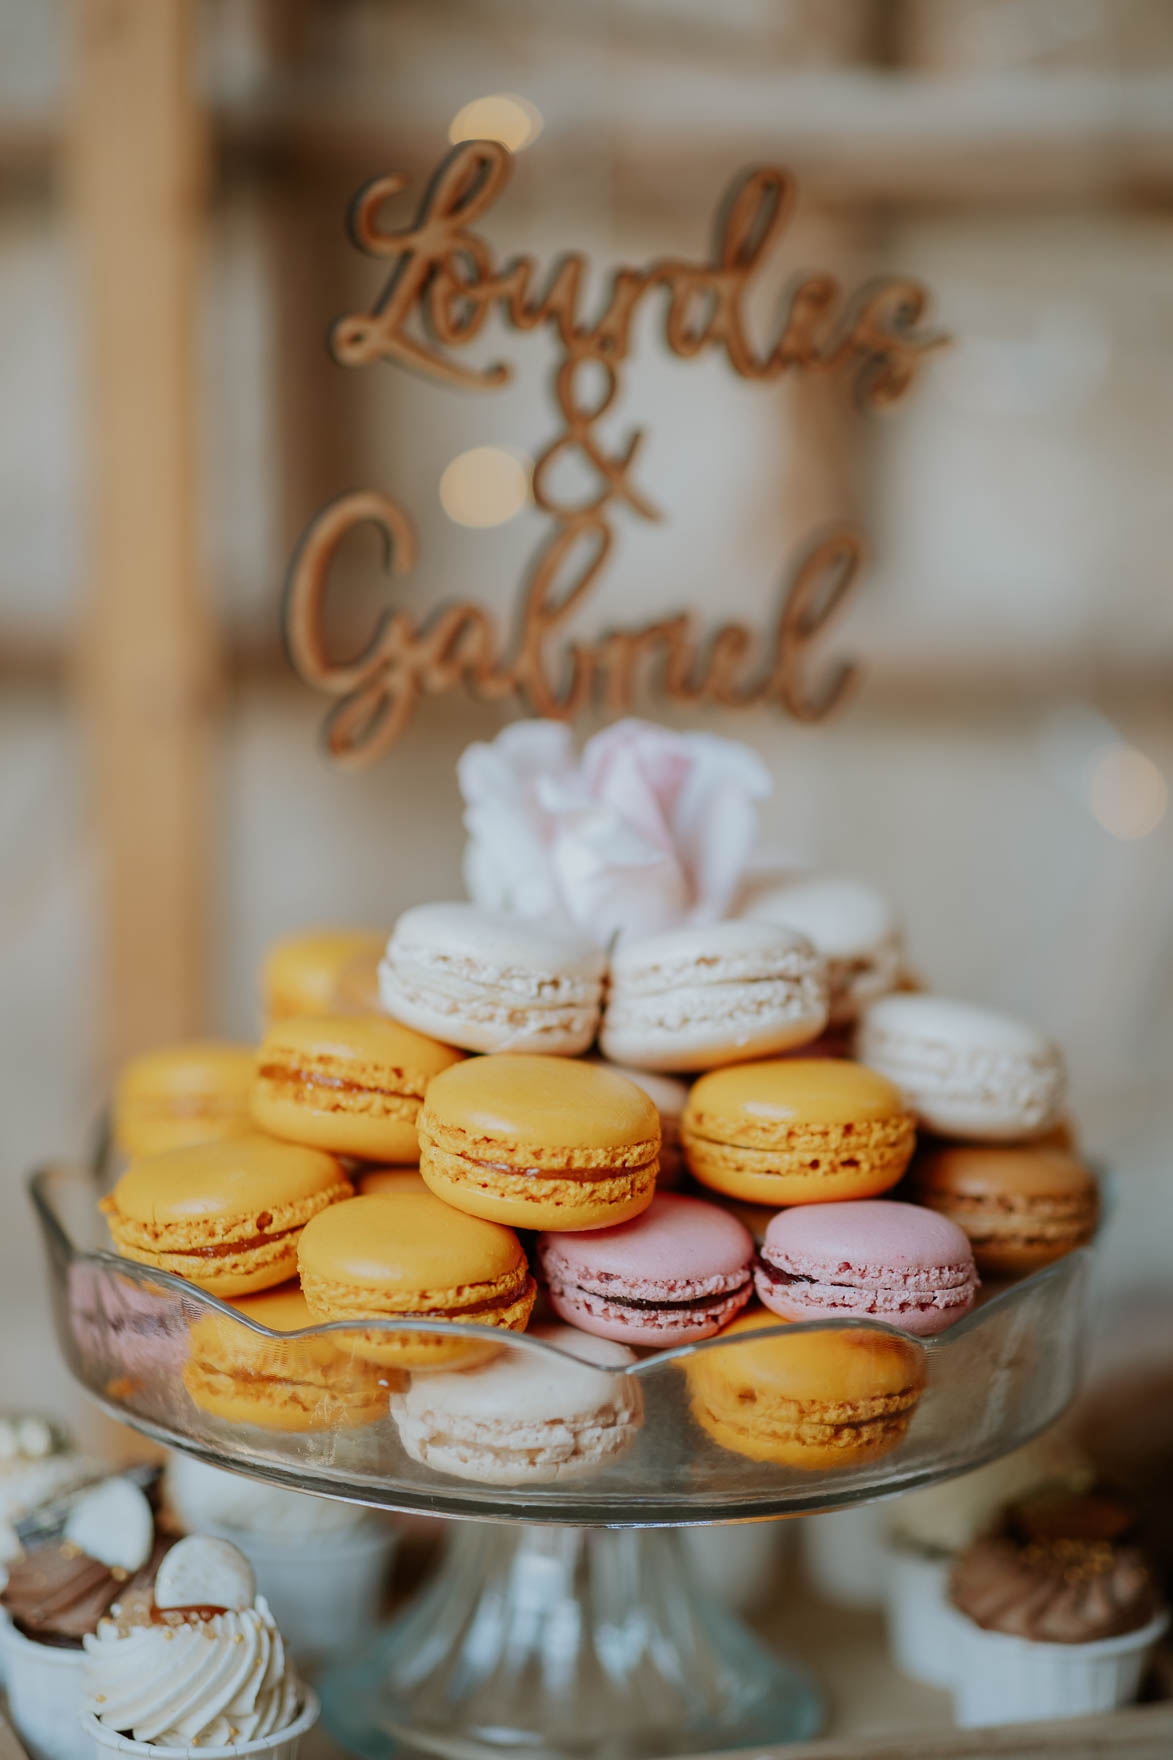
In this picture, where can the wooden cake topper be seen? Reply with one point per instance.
(444, 285)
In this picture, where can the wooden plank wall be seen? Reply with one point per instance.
(147, 664)
(146, 659)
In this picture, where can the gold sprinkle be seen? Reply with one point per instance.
(69, 1550)
(238, 1638)
(168, 1633)
(99, 1698)
(117, 1572)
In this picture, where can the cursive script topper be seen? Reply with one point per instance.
(445, 283)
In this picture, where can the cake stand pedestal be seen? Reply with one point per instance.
(565, 1620)
(566, 1642)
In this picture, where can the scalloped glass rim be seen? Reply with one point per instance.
(1053, 1297)
(135, 1272)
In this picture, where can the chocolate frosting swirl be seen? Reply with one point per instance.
(1057, 1590)
(57, 1594)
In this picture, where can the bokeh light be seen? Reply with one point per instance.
(501, 116)
(485, 486)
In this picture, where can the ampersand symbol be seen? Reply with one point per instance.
(580, 419)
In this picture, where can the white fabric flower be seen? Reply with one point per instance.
(650, 829)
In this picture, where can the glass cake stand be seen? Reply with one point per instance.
(564, 1620)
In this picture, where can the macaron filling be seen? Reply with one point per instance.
(173, 1240)
(747, 1000)
(483, 980)
(524, 1418)
(966, 1070)
(455, 975)
(468, 1311)
(1031, 1086)
(283, 1399)
(845, 1144)
(386, 1305)
(717, 1296)
(405, 1096)
(544, 1014)
(558, 1173)
(680, 1271)
(898, 1290)
(224, 1248)
(992, 1223)
(873, 1429)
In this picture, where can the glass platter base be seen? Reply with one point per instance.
(565, 1643)
(565, 1621)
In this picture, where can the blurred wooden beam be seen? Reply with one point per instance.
(315, 412)
(858, 137)
(146, 664)
(818, 487)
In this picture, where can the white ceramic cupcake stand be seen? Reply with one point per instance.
(565, 1619)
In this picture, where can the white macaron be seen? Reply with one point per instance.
(527, 1417)
(203, 1572)
(965, 1071)
(853, 925)
(490, 982)
(112, 1522)
(691, 999)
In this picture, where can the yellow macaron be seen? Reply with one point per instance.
(806, 1399)
(405, 1255)
(301, 973)
(349, 1084)
(183, 1094)
(797, 1131)
(388, 1179)
(540, 1142)
(300, 1384)
(357, 988)
(227, 1214)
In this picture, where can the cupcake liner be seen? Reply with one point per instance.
(46, 1689)
(325, 1595)
(1002, 1679)
(921, 1620)
(283, 1744)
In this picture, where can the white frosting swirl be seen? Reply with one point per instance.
(218, 1681)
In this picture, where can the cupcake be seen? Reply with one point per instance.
(37, 1462)
(321, 1565)
(1060, 1613)
(927, 1531)
(56, 1595)
(194, 1666)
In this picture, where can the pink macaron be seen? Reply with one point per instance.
(871, 1258)
(677, 1273)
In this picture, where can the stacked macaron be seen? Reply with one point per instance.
(417, 1101)
(490, 982)
(850, 924)
(995, 1154)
